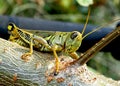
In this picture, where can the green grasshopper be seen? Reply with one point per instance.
(69, 42)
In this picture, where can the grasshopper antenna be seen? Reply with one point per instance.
(96, 29)
(100, 27)
(86, 21)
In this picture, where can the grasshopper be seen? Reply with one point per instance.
(69, 42)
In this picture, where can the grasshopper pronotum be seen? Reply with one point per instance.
(69, 42)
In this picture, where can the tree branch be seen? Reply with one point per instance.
(40, 70)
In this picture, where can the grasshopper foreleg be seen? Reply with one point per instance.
(74, 55)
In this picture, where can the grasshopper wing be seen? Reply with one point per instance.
(41, 33)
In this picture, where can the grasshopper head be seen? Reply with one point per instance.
(73, 41)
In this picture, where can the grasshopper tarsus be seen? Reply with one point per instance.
(26, 57)
(56, 73)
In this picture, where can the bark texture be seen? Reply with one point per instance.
(39, 71)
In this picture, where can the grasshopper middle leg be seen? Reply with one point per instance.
(54, 48)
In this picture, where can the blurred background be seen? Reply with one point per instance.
(62, 10)
(102, 11)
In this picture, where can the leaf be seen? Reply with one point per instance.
(85, 3)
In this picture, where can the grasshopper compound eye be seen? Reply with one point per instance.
(74, 35)
(10, 26)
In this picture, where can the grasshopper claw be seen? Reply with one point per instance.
(56, 73)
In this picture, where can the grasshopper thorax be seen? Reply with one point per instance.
(73, 41)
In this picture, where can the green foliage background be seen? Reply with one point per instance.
(63, 10)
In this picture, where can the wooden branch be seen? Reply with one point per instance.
(39, 71)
